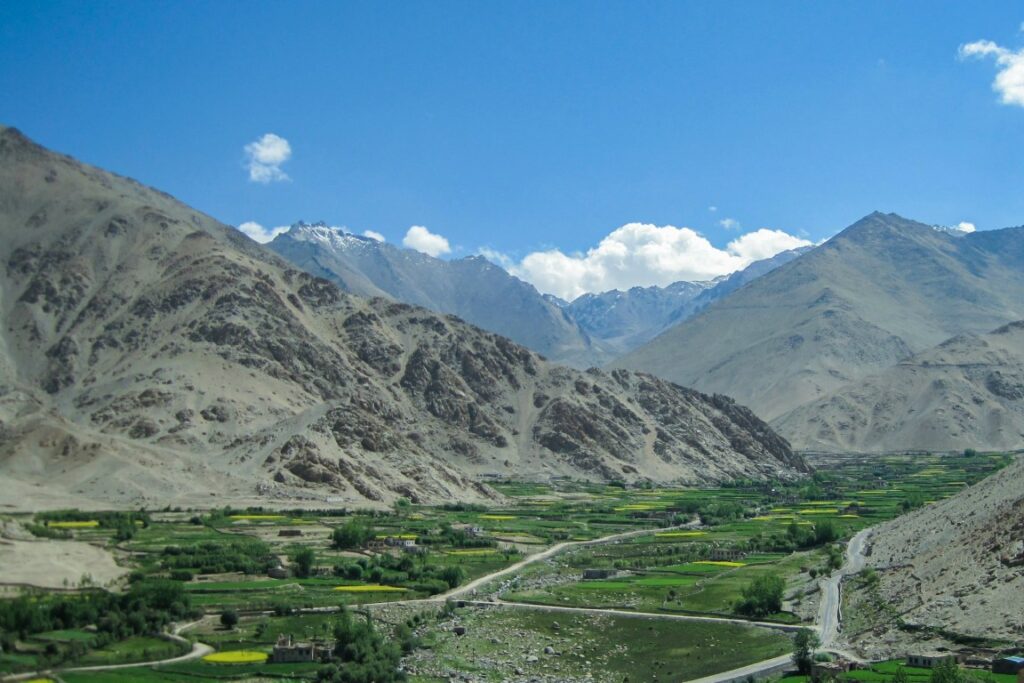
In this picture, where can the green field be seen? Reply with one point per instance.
(220, 559)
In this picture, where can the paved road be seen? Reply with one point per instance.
(471, 587)
(198, 650)
(828, 615)
(635, 615)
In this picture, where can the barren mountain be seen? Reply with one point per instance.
(472, 288)
(152, 355)
(623, 320)
(881, 290)
(953, 567)
(620, 321)
(968, 392)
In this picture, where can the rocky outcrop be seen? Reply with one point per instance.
(190, 365)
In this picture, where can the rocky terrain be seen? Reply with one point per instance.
(953, 567)
(623, 320)
(872, 296)
(151, 355)
(472, 288)
(967, 392)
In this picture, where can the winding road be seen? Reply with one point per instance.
(827, 622)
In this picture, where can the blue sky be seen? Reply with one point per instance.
(527, 126)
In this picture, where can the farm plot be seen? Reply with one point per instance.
(513, 644)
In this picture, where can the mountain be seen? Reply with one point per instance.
(622, 321)
(472, 288)
(150, 355)
(968, 392)
(724, 286)
(625, 320)
(951, 568)
(872, 296)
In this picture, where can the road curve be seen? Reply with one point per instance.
(198, 650)
(827, 624)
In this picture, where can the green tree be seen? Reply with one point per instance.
(762, 596)
(900, 676)
(350, 535)
(805, 643)
(947, 672)
(229, 618)
(303, 561)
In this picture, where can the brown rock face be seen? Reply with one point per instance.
(193, 366)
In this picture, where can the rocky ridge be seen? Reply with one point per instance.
(151, 355)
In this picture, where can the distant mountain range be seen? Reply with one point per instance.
(591, 330)
(150, 355)
(800, 343)
(472, 288)
(623, 321)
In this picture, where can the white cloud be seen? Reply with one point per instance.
(374, 235)
(497, 257)
(712, 208)
(421, 239)
(643, 254)
(265, 156)
(730, 223)
(964, 226)
(1009, 81)
(764, 243)
(259, 233)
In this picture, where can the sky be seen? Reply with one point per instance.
(583, 145)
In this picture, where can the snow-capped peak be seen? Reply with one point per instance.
(332, 237)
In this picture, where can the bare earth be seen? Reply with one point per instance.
(49, 564)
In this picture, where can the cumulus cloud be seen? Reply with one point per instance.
(764, 243)
(265, 156)
(639, 254)
(421, 239)
(374, 235)
(497, 257)
(262, 235)
(730, 223)
(1009, 81)
(964, 226)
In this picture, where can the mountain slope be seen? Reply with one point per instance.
(968, 392)
(873, 295)
(472, 288)
(956, 566)
(622, 321)
(150, 355)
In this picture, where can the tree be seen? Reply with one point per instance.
(763, 596)
(805, 643)
(825, 532)
(352, 534)
(900, 676)
(229, 618)
(303, 560)
(947, 671)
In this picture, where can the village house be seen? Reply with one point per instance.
(1008, 665)
(929, 660)
(726, 554)
(287, 651)
(278, 572)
